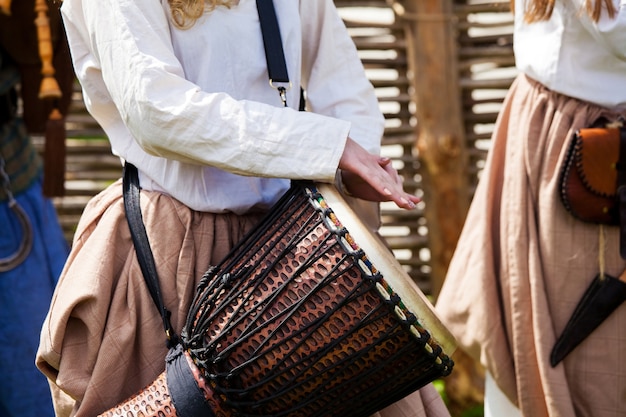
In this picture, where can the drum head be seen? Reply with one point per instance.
(391, 270)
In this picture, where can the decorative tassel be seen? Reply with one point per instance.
(5, 7)
(54, 156)
(54, 151)
(49, 87)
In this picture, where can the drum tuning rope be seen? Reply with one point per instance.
(231, 329)
(297, 322)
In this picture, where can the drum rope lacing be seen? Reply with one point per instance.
(212, 356)
(385, 290)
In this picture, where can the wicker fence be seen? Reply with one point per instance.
(485, 64)
(486, 70)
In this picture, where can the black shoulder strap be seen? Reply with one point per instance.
(274, 55)
(130, 186)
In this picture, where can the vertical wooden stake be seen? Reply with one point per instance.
(440, 145)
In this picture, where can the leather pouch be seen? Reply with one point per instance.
(592, 183)
(589, 175)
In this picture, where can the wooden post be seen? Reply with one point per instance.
(440, 145)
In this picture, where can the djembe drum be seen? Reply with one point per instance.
(309, 315)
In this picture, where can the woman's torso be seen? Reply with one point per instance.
(574, 56)
(213, 78)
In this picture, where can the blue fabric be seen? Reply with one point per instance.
(25, 294)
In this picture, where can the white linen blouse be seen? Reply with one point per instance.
(193, 109)
(573, 55)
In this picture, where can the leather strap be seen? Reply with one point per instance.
(188, 398)
(130, 186)
(274, 55)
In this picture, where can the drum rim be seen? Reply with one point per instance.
(392, 272)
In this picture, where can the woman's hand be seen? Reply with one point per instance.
(372, 177)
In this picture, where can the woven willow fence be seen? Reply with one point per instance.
(379, 29)
(484, 59)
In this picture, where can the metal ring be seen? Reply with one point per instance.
(13, 260)
(276, 87)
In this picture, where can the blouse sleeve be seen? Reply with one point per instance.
(333, 74)
(125, 45)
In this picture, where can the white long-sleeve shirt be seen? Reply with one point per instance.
(193, 109)
(573, 55)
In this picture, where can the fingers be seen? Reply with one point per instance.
(393, 173)
(384, 161)
(401, 198)
(386, 180)
(376, 174)
(396, 192)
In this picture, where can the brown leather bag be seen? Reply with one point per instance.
(592, 183)
(588, 184)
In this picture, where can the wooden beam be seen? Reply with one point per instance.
(433, 60)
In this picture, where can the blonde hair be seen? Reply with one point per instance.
(542, 9)
(186, 12)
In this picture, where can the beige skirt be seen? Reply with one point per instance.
(103, 338)
(523, 262)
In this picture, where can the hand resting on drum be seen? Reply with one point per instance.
(372, 177)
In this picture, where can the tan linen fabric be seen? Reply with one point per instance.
(423, 403)
(522, 263)
(103, 339)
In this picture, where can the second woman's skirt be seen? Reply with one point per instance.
(522, 264)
